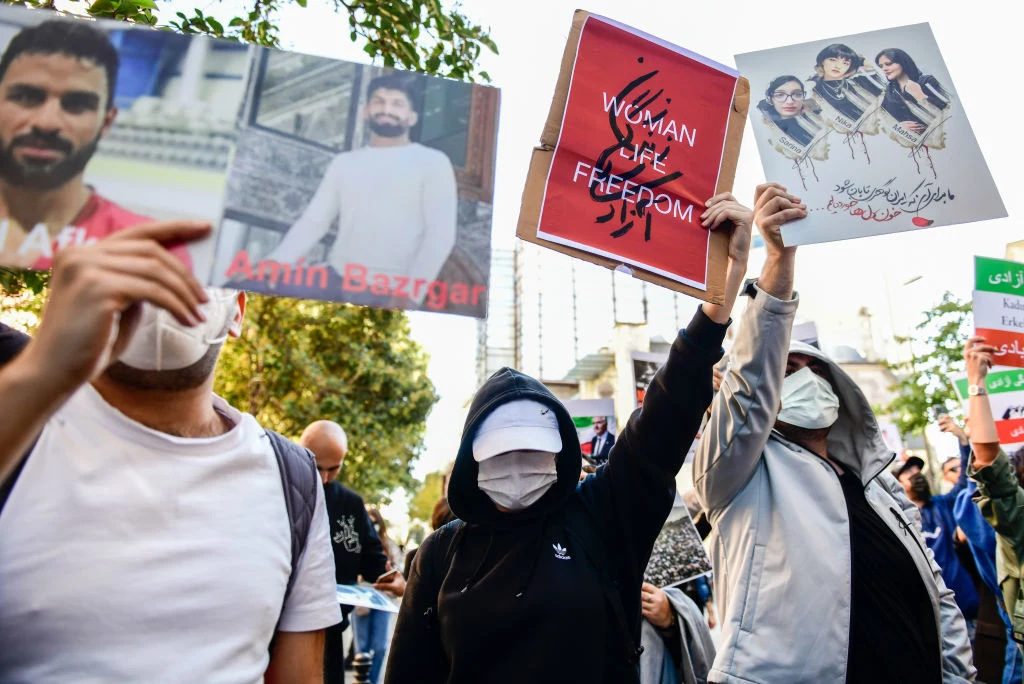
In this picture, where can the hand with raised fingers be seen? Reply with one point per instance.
(96, 291)
(774, 206)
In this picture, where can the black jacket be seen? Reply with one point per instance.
(357, 548)
(520, 602)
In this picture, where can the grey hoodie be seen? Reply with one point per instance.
(780, 545)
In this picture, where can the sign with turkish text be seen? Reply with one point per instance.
(1006, 397)
(869, 132)
(999, 308)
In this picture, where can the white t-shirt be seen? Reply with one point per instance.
(129, 555)
(397, 213)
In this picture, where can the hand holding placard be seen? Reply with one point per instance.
(773, 207)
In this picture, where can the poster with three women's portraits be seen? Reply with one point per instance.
(869, 132)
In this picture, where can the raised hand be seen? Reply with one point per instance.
(95, 292)
(773, 207)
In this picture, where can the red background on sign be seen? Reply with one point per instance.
(998, 338)
(700, 98)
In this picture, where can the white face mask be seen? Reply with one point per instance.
(161, 343)
(808, 401)
(517, 479)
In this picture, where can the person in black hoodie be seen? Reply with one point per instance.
(539, 579)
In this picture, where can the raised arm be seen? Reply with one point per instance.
(744, 411)
(315, 220)
(88, 321)
(634, 491)
(984, 437)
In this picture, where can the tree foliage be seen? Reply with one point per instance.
(936, 357)
(421, 506)
(419, 35)
(300, 361)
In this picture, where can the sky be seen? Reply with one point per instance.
(980, 47)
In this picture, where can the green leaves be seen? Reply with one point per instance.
(937, 356)
(420, 35)
(300, 361)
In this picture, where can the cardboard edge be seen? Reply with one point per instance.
(540, 164)
(553, 124)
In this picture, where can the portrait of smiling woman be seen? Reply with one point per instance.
(840, 82)
(912, 98)
(786, 105)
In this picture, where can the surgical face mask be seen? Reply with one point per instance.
(161, 343)
(517, 479)
(808, 401)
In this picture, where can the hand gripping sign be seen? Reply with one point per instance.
(640, 134)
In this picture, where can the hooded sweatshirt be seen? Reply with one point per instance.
(784, 540)
(517, 599)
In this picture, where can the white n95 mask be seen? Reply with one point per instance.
(808, 401)
(517, 479)
(161, 343)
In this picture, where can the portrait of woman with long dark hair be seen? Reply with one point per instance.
(913, 98)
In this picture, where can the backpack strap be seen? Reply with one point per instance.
(299, 480)
(581, 524)
(7, 486)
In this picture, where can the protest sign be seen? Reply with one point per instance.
(999, 308)
(645, 365)
(585, 412)
(679, 554)
(360, 184)
(869, 132)
(325, 179)
(367, 597)
(640, 134)
(142, 134)
(1006, 397)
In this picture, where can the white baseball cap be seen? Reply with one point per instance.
(522, 424)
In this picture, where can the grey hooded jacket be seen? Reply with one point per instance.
(781, 542)
(697, 645)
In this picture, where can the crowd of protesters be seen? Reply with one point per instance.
(151, 532)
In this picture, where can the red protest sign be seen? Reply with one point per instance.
(640, 150)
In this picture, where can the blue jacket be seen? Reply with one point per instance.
(939, 524)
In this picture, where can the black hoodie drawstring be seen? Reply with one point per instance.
(473, 577)
(538, 543)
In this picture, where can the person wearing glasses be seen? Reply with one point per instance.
(787, 107)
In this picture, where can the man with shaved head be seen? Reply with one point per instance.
(357, 548)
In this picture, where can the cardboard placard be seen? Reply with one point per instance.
(543, 156)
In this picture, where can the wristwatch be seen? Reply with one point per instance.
(976, 391)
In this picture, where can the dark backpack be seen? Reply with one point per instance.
(299, 480)
(581, 525)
